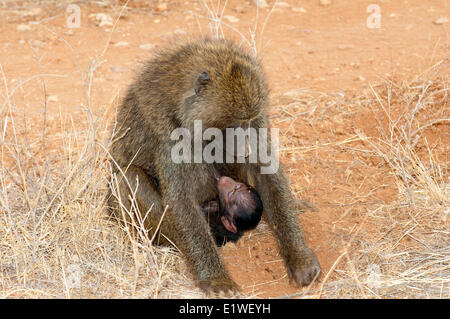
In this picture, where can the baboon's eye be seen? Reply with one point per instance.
(202, 80)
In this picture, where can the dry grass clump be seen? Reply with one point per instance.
(406, 252)
(56, 239)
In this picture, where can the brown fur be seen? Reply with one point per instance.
(163, 98)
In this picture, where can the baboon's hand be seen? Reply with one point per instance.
(225, 285)
(303, 268)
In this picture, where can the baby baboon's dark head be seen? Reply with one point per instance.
(240, 205)
(249, 210)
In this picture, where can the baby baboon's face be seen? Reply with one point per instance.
(241, 207)
(230, 191)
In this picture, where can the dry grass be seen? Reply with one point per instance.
(404, 251)
(55, 237)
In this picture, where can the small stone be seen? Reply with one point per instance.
(23, 27)
(324, 3)
(179, 32)
(239, 9)
(345, 46)
(283, 5)
(442, 20)
(261, 3)
(118, 69)
(232, 19)
(161, 6)
(121, 44)
(157, 21)
(102, 3)
(102, 19)
(37, 43)
(32, 13)
(299, 9)
(147, 46)
(52, 98)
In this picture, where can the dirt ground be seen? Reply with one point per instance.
(324, 53)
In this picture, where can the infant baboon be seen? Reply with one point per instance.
(221, 85)
(237, 209)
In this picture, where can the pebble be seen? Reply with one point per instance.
(283, 5)
(121, 44)
(32, 13)
(102, 19)
(118, 69)
(324, 2)
(52, 98)
(345, 46)
(23, 27)
(161, 6)
(442, 20)
(240, 9)
(147, 46)
(261, 3)
(299, 9)
(37, 43)
(232, 19)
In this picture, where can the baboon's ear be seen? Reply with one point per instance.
(202, 81)
(228, 222)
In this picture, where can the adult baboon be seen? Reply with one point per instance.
(220, 84)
